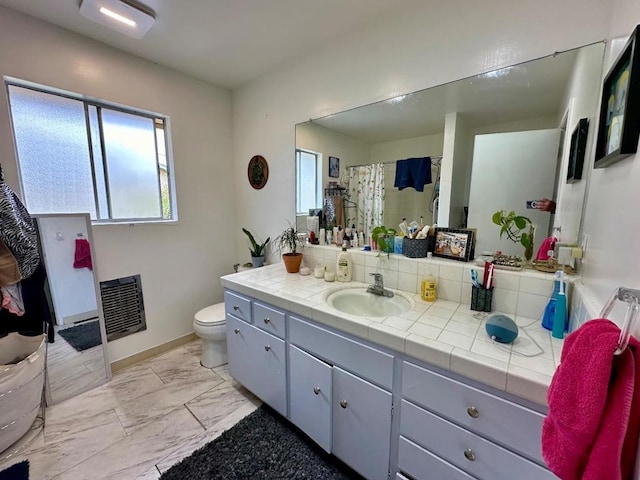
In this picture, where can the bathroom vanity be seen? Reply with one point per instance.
(388, 402)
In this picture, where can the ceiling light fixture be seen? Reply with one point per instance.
(125, 16)
(117, 16)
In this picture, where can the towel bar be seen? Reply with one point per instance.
(632, 297)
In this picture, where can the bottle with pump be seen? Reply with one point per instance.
(550, 309)
(344, 265)
(429, 288)
(560, 313)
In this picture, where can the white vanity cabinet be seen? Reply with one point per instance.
(256, 358)
(452, 427)
(357, 411)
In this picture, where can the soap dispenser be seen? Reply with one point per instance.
(344, 265)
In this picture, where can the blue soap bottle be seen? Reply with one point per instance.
(550, 309)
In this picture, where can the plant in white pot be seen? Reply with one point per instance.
(257, 250)
(290, 240)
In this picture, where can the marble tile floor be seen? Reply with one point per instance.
(72, 372)
(146, 419)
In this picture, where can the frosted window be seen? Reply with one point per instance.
(98, 164)
(307, 169)
(132, 165)
(53, 152)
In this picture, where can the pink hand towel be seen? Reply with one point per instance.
(590, 432)
(83, 254)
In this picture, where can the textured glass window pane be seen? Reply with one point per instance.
(164, 171)
(132, 166)
(101, 187)
(53, 152)
(306, 181)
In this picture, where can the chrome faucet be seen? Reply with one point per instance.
(378, 287)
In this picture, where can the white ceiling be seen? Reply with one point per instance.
(226, 42)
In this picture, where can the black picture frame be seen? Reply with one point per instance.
(454, 244)
(334, 167)
(577, 150)
(619, 119)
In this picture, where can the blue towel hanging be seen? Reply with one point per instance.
(413, 172)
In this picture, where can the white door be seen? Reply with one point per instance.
(509, 169)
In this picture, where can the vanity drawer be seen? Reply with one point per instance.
(468, 451)
(268, 319)
(422, 464)
(512, 425)
(369, 363)
(238, 306)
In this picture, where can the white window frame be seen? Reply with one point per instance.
(90, 101)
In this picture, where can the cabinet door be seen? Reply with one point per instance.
(257, 361)
(310, 391)
(361, 425)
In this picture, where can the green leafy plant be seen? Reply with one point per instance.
(257, 250)
(384, 237)
(513, 227)
(289, 239)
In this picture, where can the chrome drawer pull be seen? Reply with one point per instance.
(265, 320)
(316, 390)
(473, 412)
(267, 347)
(236, 307)
(468, 453)
(236, 331)
(343, 403)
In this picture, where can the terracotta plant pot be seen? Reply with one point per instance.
(292, 262)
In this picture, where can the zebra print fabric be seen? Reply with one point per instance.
(18, 231)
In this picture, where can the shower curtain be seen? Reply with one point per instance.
(366, 190)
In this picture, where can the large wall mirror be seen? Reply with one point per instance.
(77, 359)
(494, 141)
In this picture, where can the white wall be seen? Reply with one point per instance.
(611, 217)
(406, 203)
(73, 289)
(418, 48)
(180, 264)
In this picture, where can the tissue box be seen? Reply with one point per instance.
(414, 247)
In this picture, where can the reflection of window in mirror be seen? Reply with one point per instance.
(110, 161)
(308, 181)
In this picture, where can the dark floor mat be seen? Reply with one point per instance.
(18, 471)
(83, 336)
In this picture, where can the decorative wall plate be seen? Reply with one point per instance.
(258, 172)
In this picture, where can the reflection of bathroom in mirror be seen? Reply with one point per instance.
(76, 360)
(495, 141)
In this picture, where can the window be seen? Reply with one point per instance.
(308, 182)
(77, 155)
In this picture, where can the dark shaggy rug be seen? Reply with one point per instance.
(82, 337)
(18, 471)
(262, 446)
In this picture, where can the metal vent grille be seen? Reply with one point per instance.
(122, 306)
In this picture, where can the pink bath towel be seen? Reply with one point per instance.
(82, 256)
(591, 430)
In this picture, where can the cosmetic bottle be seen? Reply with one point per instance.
(344, 265)
(429, 288)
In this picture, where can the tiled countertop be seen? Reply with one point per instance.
(444, 333)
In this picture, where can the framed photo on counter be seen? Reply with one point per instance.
(454, 244)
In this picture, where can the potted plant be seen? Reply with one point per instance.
(513, 226)
(290, 240)
(257, 250)
(384, 237)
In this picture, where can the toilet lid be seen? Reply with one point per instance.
(211, 315)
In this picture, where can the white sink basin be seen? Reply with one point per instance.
(357, 301)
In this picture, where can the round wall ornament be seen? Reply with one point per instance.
(258, 172)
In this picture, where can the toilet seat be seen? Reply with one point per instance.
(211, 315)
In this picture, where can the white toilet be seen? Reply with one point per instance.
(210, 325)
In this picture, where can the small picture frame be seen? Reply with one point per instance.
(454, 244)
(334, 167)
(577, 150)
(619, 120)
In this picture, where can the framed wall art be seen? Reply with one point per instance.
(334, 167)
(454, 244)
(577, 150)
(258, 172)
(619, 120)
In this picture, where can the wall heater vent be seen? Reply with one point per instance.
(122, 306)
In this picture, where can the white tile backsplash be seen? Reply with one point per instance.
(524, 293)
